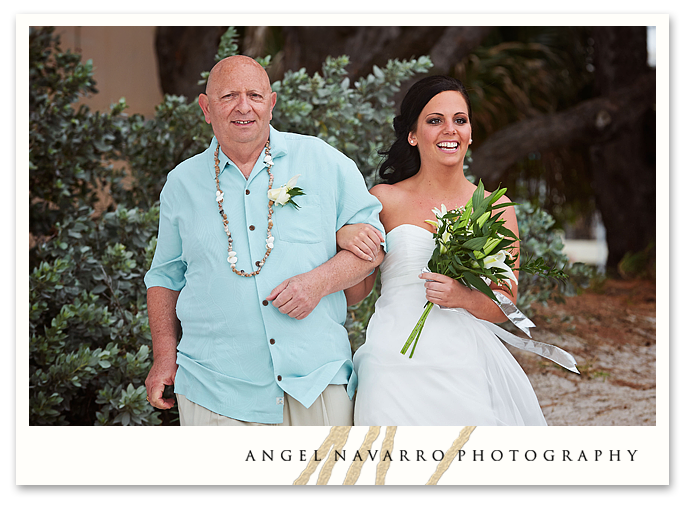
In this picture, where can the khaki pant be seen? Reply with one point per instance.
(332, 407)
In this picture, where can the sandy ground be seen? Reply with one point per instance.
(611, 332)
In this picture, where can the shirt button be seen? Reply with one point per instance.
(265, 302)
(279, 377)
(252, 227)
(271, 341)
(247, 192)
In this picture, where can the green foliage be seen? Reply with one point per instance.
(89, 333)
(639, 264)
(540, 239)
(68, 145)
(154, 147)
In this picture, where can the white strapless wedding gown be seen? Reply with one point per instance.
(460, 374)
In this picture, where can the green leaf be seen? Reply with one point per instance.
(504, 204)
(497, 194)
(477, 198)
(475, 244)
(479, 285)
(507, 232)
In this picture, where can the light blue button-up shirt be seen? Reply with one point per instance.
(237, 356)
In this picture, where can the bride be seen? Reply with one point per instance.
(461, 374)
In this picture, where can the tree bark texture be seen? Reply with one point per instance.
(183, 53)
(624, 168)
(308, 46)
(618, 130)
(589, 123)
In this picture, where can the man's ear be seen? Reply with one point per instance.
(273, 101)
(203, 102)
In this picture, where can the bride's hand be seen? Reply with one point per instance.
(443, 290)
(361, 239)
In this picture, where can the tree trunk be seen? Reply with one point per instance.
(183, 53)
(589, 123)
(624, 169)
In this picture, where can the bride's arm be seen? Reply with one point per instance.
(361, 239)
(358, 292)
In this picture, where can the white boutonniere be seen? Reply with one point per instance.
(285, 193)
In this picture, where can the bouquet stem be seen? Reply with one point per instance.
(415, 334)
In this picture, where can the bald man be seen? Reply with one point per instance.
(244, 294)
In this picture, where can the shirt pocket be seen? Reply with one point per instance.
(302, 225)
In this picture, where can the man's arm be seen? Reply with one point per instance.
(299, 295)
(165, 330)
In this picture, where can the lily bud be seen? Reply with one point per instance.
(490, 244)
(484, 217)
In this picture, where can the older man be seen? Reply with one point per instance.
(254, 285)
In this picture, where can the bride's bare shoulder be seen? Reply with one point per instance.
(395, 204)
(389, 192)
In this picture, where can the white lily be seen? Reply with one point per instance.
(279, 195)
(440, 212)
(498, 261)
(292, 182)
(446, 235)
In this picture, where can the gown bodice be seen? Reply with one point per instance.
(408, 250)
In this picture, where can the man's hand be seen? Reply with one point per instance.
(298, 296)
(162, 373)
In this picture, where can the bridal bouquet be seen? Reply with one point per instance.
(473, 246)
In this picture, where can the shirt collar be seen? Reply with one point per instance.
(277, 142)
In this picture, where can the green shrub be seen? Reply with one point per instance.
(70, 148)
(540, 239)
(89, 333)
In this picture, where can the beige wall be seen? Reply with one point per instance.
(124, 64)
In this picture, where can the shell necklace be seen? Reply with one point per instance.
(232, 255)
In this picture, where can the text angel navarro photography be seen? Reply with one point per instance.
(551, 455)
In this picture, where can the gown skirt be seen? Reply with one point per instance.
(460, 374)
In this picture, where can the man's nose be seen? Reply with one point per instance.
(243, 104)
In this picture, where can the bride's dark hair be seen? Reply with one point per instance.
(403, 160)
